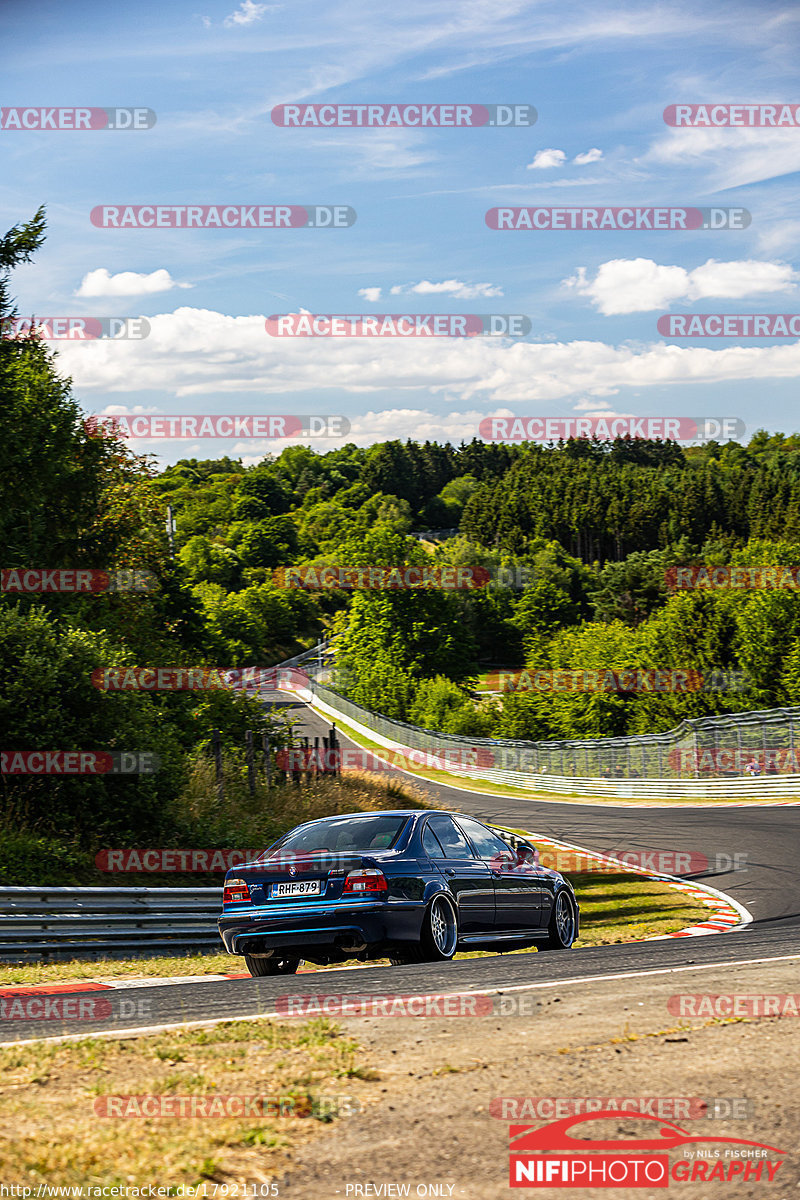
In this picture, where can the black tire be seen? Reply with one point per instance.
(271, 966)
(561, 930)
(438, 935)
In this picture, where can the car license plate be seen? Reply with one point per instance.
(306, 887)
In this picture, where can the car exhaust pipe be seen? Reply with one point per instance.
(351, 947)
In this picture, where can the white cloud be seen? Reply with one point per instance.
(417, 424)
(391, 152)
(199, 352)
(625, 285)
(732, 280)
(248, 12)
(547, 158)
(780, 237)
(373, 294)
(448, 287)
(127, 283)
(592, 407)
(729, 158)
(117, 410)
(589, 156)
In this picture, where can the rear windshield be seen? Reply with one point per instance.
(345, 833)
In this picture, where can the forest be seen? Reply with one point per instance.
(576, 540)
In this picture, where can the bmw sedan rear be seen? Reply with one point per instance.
(409, 885)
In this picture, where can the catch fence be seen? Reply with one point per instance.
(746, 753)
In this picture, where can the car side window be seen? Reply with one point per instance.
(430, 843)
(487, 844)
(453, 842)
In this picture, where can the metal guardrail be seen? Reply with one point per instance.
(305, 656)
(108, 922)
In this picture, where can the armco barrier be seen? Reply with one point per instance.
(636, 759)
(60, 922)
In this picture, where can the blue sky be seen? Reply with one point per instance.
(599, 75)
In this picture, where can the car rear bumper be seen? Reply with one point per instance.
(343, 926)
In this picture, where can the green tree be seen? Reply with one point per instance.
(51, 469)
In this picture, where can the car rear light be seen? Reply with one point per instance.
(236, 892)
(361, 882)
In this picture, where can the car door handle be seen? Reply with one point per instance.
(449, 871)
(496, 873)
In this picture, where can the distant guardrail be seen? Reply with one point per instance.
(107, 922)
(541, 760)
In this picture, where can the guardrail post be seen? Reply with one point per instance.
(337, 754)
(251, 771)
(267, 758)
(216, 747)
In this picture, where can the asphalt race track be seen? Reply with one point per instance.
(768, 886)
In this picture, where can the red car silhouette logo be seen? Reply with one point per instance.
(555, 1136)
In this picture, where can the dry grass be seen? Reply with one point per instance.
(49, 1130)
(245, 820)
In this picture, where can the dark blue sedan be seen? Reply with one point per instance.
(413, 886)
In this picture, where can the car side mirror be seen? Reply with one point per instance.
(527, 853)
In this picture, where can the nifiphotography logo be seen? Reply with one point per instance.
(551, 1156)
